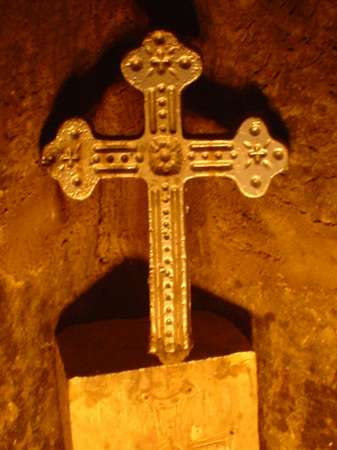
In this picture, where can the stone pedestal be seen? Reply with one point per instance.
(210, 403)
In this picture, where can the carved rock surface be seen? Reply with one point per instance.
(275, 256)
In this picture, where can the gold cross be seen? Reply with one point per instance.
(161, 68)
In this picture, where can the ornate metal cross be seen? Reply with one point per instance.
(161, 68)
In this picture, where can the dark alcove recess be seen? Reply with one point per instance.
(106, 329)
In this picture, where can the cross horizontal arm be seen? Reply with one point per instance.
(78, 160)
(209, 156)
(252, 158)
(116, 158)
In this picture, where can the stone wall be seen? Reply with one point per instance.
(275, 256)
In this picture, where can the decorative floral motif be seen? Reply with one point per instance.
(257, 153)
(65, 149)
(71, 155)
(165, 156)
(161, 54)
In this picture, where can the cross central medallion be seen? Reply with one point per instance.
(161, 68)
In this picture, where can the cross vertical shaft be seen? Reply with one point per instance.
(169, 288)
(161, 68)
(162, 113)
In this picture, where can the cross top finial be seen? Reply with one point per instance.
(161, 59)
(165, 159)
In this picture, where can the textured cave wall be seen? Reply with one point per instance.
(276, 256)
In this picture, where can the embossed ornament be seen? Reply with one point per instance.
(165, 156)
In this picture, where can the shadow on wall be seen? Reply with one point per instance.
(83, 90)
(173, 15)
(106, 329)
